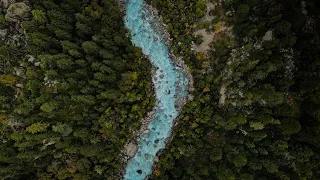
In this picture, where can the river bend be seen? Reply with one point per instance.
(170, 84)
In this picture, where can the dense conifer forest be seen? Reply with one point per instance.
(73, 89)
(255, 114)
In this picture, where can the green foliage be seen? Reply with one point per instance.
(49, 106)
(39, 16)
(73, 104)
(84, 88)
(37, 127)
(63, 129)
(242, 13)
(7, 79)
(264, 112)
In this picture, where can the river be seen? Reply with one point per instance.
(170, 84)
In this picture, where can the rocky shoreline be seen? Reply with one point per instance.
(131, 147)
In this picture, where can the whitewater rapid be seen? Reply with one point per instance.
(170, 84)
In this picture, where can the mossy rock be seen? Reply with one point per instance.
(6, 3)
(17, 12)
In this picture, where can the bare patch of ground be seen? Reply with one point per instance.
(209, 36)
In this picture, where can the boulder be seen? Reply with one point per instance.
(268, 36)
(18, 71)
(190, 97)
(3, 33)
(30, 58)
(131, 149)
(156, 159)
(17, 12)
(37, 64)
(146, 131)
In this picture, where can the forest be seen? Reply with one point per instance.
(73, 89)
(255, 114)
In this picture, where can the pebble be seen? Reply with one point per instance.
(156, 159)
(146, 131)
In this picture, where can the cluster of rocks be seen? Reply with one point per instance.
(122, 2)
(14, 12)
(179, 62)
(17, 11)
(131, 148)
(159, 26)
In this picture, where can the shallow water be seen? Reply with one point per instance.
(168, 80)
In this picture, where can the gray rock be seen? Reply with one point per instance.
(156, 159)
(15, 38)
(18, 71)
(190, 97)
(3, 33)
(146, 131)
(131, 149)
(17, 12)
(37, 64)
(19, 85)
(31, 58)
(268, 36)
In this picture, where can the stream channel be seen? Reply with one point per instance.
(170, 84)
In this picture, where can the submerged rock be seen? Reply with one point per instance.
(146, 131)
(17, 12)
(146, 156)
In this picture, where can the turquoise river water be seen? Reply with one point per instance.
(170, 84)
